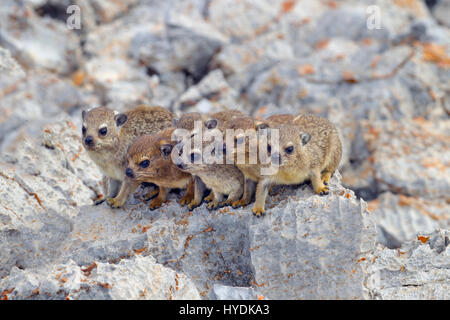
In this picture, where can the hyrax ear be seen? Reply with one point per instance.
(166, 149)
(305, 137)
(211, 124)
(83, 114)
(120, 119)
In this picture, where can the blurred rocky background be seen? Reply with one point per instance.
(378, 69)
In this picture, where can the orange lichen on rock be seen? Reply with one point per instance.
(287, 6)
(423, 239)
(349, 77)
(4, 294)
(306, 69)
(435, 53)
(78, 78)
(88, 270)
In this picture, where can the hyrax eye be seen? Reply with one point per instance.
(103, 131)
(289, 150)
(194, 157)
(144, 164)
(83, 130)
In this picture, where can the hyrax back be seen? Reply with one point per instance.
(149, 159)
(107, 134)
(208, 120)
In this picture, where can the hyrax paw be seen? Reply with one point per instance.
(239, 203)
(114, 203)
(193, 204)
(150, 195)
(155, 204)
(323, 191)
(210, 197)
(258, 212)
(185, 200)
(214, 205)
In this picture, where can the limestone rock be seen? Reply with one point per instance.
(131, 279)
(418, 270)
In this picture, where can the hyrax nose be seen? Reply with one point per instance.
(89, 141)
(276, 158)
(179, 163)
(129, 172)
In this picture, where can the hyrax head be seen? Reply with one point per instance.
(101, 127)
(196, 150)
(149, 156)
(286, 145)
(191, 120)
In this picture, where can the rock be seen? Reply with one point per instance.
(309, 249)
(418, 270)
(400, 218)
(132, 279)
(181, 45)
(412, 158)
(43, 181)
(227, 247)
(38, 97)
(234, 293)
(9, 66)
(227, 17)
(441, 12)
(212, 94)
(108, 11)
(386, 89)
(38, 42)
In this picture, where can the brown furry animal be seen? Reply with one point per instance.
(107, 134)
(149, 160)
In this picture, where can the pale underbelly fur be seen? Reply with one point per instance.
(108, 167)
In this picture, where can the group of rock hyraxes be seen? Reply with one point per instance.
(136, 146)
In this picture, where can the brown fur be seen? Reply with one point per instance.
(223, 179)
(316, 160)
(109, 151)
(161, 171)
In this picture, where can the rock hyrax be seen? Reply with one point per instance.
(209, 164)
(107, 134)
(222, 179)
(310, 149)
(149, 160)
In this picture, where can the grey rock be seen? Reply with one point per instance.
(233, 293)
(418, 270)
(131, 279)
(212, 94)
(308, 249)
(9, 66)
(38, 42)
(404, 218)
(38, 97)
(43, 181)
(441, 12)
(411, 158)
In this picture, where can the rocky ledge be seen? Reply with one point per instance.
(56, 245)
